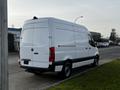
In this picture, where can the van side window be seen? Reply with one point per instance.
(91, 41)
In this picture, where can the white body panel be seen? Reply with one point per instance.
(70, 40)
(36, 38)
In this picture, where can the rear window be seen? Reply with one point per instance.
(40, 36)
(27, 36)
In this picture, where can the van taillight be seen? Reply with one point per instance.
(51, 54)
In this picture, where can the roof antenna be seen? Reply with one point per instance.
(35, 17)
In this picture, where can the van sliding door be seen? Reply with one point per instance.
(81, 45)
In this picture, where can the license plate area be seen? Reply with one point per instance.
(26, 61)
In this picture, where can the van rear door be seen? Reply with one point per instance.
(26, 43)
(41, 46)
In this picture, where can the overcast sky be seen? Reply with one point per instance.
(98, 15)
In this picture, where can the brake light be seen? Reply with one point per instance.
(51, 54)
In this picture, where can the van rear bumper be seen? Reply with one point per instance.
(30, 69)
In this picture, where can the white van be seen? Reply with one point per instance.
(49, 44)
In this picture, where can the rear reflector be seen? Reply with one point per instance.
(52, 54)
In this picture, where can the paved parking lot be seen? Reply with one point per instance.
(21, 80)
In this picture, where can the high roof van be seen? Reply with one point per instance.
(50, 44)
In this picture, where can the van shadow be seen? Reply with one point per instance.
(56, 76)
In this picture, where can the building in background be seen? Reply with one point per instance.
(100, 41)
(14, 39)
(96, 36)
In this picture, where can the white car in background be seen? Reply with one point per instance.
(119, 44)
(103, 44)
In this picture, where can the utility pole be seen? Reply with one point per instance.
(3, 46)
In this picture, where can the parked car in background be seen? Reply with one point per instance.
(102, 44)
(119, 44)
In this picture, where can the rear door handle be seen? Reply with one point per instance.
(36, 53)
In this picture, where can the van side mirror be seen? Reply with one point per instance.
(92, 43)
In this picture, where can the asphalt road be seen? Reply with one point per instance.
(21, 80)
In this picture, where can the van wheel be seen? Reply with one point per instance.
(67, 70)
(96, 61)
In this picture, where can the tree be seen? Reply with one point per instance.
(113, 35)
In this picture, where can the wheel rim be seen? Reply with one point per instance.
(96, 61)
(67, 71)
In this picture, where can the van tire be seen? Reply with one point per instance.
(67, 69)
(96, 61)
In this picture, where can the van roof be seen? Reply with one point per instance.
(55, 19)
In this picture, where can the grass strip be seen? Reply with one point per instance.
(104, 77)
